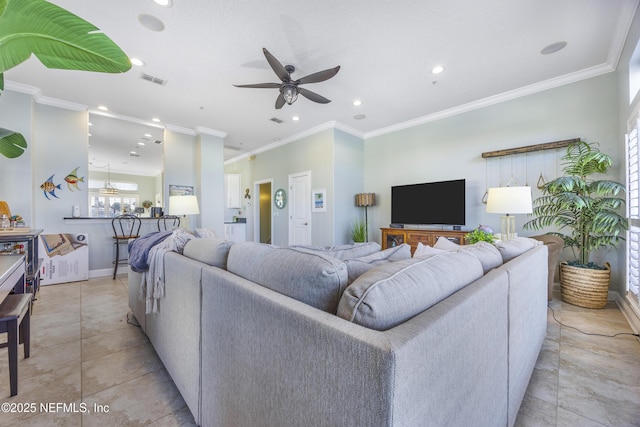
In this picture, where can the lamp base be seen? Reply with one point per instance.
(507, 227)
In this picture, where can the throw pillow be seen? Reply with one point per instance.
(446, 244)
(426, 251)
(391, 294)
(510, 249)
(204, 233)
(357, 266)
(209, 251)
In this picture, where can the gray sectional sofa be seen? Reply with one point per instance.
(255, 335)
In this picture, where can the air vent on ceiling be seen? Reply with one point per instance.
(157, 141)
(232, 147)
(153, 79)
(134, 155)
(275, 120)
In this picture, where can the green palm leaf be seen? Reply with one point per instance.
(57, 37)
(12, 144)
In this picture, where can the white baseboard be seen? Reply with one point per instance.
(631, 313)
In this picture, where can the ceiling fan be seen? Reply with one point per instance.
(289, 88)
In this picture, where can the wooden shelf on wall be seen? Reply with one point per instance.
(530, 148)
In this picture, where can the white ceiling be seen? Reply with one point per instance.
(490, 50)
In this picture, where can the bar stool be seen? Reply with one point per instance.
(15, 320)
(125, 228)
(168, 222)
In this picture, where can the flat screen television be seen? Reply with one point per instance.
(429, 203)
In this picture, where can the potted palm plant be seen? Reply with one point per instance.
(589, 210)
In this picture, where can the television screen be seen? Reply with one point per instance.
(438, 203)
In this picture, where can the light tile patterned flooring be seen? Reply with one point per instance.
(85, 353)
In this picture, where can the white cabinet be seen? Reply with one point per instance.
(236, 232)
(232, 188)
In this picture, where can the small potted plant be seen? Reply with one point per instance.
(358, 232)
(479, 235)
(589, 210)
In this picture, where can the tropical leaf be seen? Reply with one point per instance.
(12, 144)
(57, 37)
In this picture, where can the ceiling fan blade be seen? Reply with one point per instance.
(262, 85)
(320, 76)
(280, 102)
(313, 96)
(277, 67)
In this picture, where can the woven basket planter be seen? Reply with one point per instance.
(585, 287)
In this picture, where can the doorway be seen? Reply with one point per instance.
(263, 224)
(300, 208)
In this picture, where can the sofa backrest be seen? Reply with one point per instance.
(313, 278)
(343, 251)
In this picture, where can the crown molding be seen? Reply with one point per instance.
(332, 125)
(41, 99)
(212, 132)
(180, 129)
(496, 99)
(127, 118)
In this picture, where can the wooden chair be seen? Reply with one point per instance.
(168, 222)
(15, 320)
(125, 228)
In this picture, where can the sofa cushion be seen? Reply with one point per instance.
(357, 266)
(510, 249)
(392, 293)
(209, 251)
(343, 251)
(313, 278)
(489, 256)
(426, 251)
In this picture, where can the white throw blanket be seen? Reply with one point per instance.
(152, 284)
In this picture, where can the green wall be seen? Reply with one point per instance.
(451, 148)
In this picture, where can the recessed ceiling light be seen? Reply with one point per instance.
(359, 116)
(553, 48)
(89, 134)
(164, 3)
(150, 22)
(90, 124)
(155, 119)
(103, 108)
(137, 62)
(148, 135)
(295, 118)
(437, 69)
(357, 102)
(140, 143)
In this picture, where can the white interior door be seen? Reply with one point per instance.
(300, 208)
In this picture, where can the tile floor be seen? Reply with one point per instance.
(85, 355)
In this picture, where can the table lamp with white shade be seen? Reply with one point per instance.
(183, 206)
(509, 201)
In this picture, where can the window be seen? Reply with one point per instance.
(110, 205)
(633, 211)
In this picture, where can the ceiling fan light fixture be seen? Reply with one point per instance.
(290, 93)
